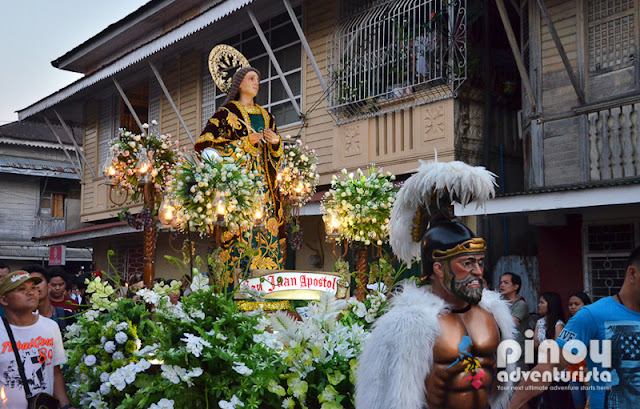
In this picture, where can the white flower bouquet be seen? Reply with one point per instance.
(361, 205)
(163, 153)
(196, 184)
(298, 176)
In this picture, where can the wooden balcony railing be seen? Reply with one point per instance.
(46, 226)
(614, 142)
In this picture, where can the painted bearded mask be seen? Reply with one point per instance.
(469, 288)
(451, 243)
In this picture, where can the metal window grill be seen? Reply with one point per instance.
(397, 54)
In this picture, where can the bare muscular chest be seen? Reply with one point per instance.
(464, 361)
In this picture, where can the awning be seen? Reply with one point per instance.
(42, 253)
(84, 235)
(567, 198)
(190, 27)
(36, 167)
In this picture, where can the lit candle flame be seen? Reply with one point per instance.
(300, 187)
(3, 396)
(144, 168)
(111, 171)
(220, 207)
(258, 214)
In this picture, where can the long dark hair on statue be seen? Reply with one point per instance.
(234, 91)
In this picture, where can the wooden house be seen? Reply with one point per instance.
(360, 81)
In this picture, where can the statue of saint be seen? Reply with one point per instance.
(241, 123)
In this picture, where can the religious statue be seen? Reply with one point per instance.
(437, 349)
(242, 124)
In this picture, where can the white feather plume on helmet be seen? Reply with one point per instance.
(434, 185)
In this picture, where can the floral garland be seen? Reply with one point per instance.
(194, 185)
(361, 205)
(163, 153)
(298, 177)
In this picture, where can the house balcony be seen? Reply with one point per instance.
(46, 226)
(614, 142)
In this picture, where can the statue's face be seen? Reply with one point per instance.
(467, 271)
(250, 84)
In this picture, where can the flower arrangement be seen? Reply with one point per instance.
(360, 205)
(161, 151)
(196, 184)
(321, 355)
(203, 352)
(107, 347)
(297, 178)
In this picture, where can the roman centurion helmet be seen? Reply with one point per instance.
(422, 221)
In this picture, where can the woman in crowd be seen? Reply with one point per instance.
(578, 392)
(549, 326)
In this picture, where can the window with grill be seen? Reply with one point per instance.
(612, 34)
(607, 250)
(386, 53)
(286, 46)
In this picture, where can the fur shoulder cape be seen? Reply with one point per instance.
(397, 356)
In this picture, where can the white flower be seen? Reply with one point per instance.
(199, 282)
(361, 310)
(91, 315)
(90, 360)
(109, 347)
(195, 344)
(105, 387)
(163, 403)
(142, 365)
(128, 373)
(117, 356)
(149, 297)
(122, 326)
(117, 381)
(172, 373)
(104, 377)
(241, 368)
(121, 337)
(234, 403)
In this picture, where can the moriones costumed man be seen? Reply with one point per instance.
(240, 123)
(437, 349)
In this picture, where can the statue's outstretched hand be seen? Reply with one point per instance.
(271, 136)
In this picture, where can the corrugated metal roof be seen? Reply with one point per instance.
(36, 167)
(42, 253)
(26, 132)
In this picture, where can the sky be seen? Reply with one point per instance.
(35, 32)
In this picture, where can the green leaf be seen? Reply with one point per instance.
(335, 378)
(331, 405)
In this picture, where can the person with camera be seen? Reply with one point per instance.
(31, 349)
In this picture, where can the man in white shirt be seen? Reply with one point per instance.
(38, 341)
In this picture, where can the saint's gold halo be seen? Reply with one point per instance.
(224, 61)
